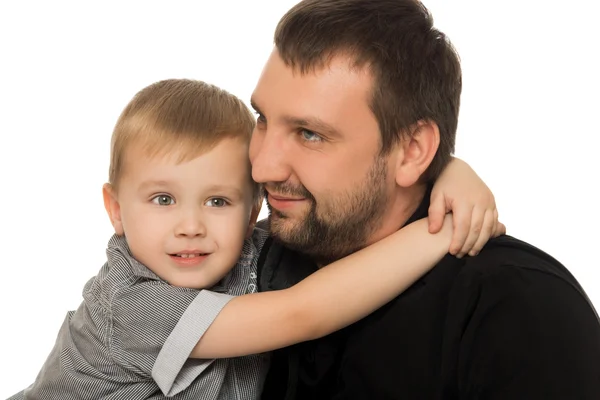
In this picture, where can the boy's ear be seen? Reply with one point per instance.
(417, 153)
(113, 209)
(253, 217)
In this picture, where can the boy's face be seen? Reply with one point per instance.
(185, 221)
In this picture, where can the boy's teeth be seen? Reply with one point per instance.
(188, 255)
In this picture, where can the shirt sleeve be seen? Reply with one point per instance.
(173, 371)
(145, 314)
(531, 335)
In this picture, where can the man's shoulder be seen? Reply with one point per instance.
(511, 270)
(509, 255)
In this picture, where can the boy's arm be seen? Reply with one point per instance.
(328, 300)
(461, 191)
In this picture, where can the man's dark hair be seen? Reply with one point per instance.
(416, 70)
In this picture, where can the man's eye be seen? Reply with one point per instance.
(310, 136)
(260, 118)
(216, 202)
(163, 200)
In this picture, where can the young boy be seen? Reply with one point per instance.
(183, 205)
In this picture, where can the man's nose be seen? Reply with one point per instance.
(269, 155)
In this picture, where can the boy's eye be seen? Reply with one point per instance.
(163, 200)
(216, 202)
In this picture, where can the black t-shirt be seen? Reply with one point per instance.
(511, 323)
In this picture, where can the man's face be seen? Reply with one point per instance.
(316, 149)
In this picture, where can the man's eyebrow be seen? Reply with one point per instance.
(254, 106)
(309, 123)
(313, 123)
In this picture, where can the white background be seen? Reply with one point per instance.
(529, 126)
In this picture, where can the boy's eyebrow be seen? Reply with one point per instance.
(309, 123)
(225, 189)
(153, 183)
(217, 189)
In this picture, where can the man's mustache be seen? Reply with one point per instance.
(288, 189)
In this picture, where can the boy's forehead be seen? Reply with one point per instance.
(225, 164)
(181, 151)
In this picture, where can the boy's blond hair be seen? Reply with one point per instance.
(180, 116)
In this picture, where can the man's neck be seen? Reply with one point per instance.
(401, 211)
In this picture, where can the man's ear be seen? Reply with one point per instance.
(417, 152)
(113, 209)
(254, 216)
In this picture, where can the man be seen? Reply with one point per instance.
(369, 92)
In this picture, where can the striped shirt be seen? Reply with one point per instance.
(132, 335)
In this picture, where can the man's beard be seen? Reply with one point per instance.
(338, 227)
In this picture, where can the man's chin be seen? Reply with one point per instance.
(286, 219)
(280, 223)
(283, 228)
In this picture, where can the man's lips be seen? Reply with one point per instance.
(283, 202)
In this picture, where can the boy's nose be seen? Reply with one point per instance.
(191, 225)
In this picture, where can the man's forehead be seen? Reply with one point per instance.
(341, 60)
(340, 73)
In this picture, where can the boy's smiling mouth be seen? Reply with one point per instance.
(189, 258)
(189, 255)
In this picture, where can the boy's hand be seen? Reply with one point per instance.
(459, 190)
